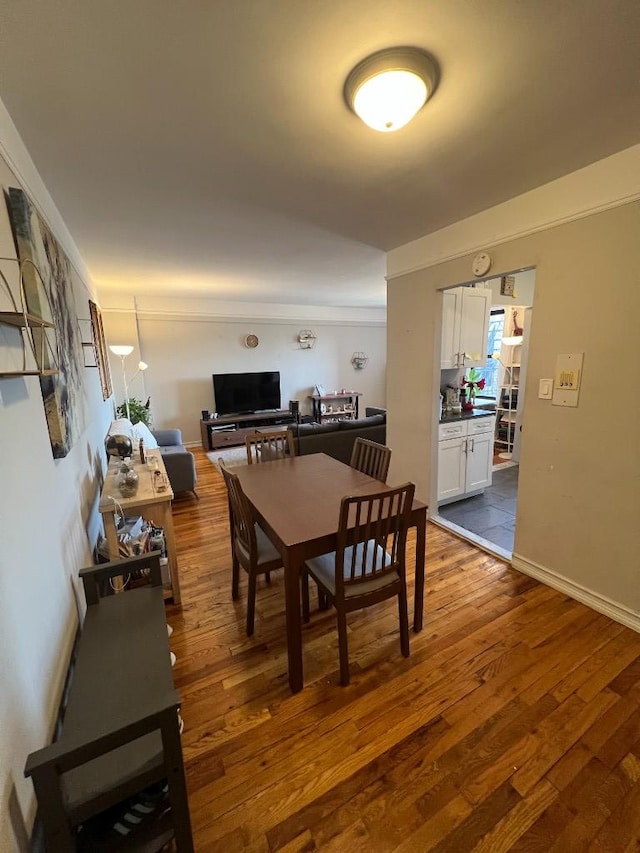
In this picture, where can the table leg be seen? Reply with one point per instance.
(114, 546)
(418, 601)
(170, 542)
(294, 622)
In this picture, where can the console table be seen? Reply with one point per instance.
(231, 430)
(120, 730)
(152, 501)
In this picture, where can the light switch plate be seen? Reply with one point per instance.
(567, 379)
(545, 389)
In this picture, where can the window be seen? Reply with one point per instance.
(490, 371)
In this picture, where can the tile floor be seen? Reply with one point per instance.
(491, 515)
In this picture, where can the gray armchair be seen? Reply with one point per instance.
(179, 462)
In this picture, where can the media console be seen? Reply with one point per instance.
(232, 430)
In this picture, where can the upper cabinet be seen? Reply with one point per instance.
(465, 326)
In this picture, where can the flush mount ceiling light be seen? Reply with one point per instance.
(389, 87)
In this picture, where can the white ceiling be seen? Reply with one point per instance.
(203, 147)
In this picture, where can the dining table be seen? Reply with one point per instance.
(296, 501)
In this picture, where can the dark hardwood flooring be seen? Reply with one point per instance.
(514, 724)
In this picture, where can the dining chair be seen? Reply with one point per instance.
(371, 458)
(368, 564)
(251, 548)
(266, 446)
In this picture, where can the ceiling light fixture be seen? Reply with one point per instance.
(389, 87)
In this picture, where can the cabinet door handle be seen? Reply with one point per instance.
(473, 442)
(466, 442)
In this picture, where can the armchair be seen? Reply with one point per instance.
(179, 462)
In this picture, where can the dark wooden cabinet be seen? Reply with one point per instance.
(339, 406)
(231, 430)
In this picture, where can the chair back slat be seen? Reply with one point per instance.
(267, 446)
(372, 535)
(371, 458)
(240, 517)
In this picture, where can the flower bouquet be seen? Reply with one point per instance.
(471, 383)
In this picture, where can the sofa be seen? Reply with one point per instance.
(179, 462)
(337, 438)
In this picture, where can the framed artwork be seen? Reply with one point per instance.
(50, 285)
(100, 346)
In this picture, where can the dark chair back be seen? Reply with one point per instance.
(371, 458)
(243, 533)
(372, 536)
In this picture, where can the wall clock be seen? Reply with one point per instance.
(481, 264)
(251, 341)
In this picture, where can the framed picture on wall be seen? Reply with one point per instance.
(101, 350)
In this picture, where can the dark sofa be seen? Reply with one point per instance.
(337, 439)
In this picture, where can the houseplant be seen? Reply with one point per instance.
(136, 411)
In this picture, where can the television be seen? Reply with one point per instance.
(239, 393)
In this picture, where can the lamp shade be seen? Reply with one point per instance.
(388, 88)
(121, 349)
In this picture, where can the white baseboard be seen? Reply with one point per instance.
(617, 612)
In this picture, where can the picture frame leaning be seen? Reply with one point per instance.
(100, 344)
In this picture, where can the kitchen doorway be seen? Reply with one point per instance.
(483, 510)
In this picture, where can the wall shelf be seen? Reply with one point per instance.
(34, 337)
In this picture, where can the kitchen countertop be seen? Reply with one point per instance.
(467, 416)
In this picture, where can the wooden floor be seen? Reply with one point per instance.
(514, 725)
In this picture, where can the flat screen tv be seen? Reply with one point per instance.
(239, 393)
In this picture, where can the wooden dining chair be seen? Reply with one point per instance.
(371, 458)
(368, 565)
(266, 446)
(251, 548)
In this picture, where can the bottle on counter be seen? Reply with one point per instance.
(142, 456)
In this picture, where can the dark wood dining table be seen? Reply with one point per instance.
(296, 501)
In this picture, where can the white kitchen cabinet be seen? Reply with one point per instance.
(465, 458)
(465, 324)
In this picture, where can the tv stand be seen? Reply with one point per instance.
(232, 430)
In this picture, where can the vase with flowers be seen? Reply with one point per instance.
(471, 383)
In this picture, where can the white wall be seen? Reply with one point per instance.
(522, 293)
(578, 497)
(183, 351)
(48, 525)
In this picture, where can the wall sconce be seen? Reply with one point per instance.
(359, 360)
(306, 339)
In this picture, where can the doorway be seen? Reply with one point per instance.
(487, 515)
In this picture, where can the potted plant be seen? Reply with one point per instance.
(135, 410)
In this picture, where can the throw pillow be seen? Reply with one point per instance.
(121, 426)
(142, 431)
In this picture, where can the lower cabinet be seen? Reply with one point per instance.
(465, 458)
